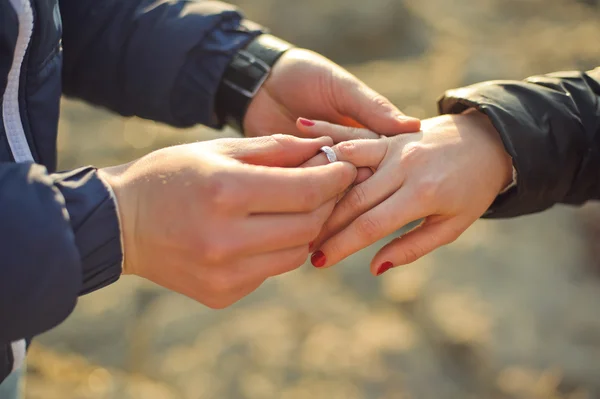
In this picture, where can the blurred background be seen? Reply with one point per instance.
(510, 310)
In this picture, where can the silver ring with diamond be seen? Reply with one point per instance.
(329, 153)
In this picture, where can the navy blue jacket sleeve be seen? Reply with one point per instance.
(159, 60)
(59, 238)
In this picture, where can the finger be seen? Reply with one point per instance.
(276, 190)
(362, 175)
(250, 273)
(372, 110)
(415, 244)
(271, 264)
(362, 153)
(319, 160)
(359, 200)
(276, 150)
(357, 147)
(227, 285)
(387, 217)
(273, 232)
(339, 133)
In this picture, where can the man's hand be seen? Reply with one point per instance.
(305, 84)
(449, 174)
(213, 220)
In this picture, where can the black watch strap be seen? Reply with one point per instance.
(244, 76)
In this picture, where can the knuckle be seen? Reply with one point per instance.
(412, 153)
(336, 249)
(426, 190)
(357, 199)
(381, 101)
(412, 253)
(346, 150)
(282, 140)
(222, 192)
(368, 228)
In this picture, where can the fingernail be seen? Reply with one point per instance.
(306, 122)
(318, 259)
(384, 268)
(310, 246)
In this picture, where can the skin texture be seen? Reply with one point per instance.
(305, 84)
(213, 220)
(449, 174)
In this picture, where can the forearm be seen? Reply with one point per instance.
(161, 61)
(550, 126)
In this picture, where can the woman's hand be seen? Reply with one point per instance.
(449, 174)
(213, 220)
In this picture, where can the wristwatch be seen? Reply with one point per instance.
(244, 76)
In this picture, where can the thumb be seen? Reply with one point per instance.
(277, 150)
(372, 110)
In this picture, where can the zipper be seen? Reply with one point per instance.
(19, 349)
(11, 114)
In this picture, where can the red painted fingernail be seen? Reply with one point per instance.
(384, 268)
(318, 259)
(306, 122)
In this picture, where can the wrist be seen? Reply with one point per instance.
(503, 161)
(244, 77)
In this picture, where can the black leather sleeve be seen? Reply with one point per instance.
(550, 125)
(6, 361)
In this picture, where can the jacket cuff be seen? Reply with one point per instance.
(94, 219)
(198, 82)
(512, 107)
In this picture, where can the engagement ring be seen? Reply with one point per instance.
(330, 153)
